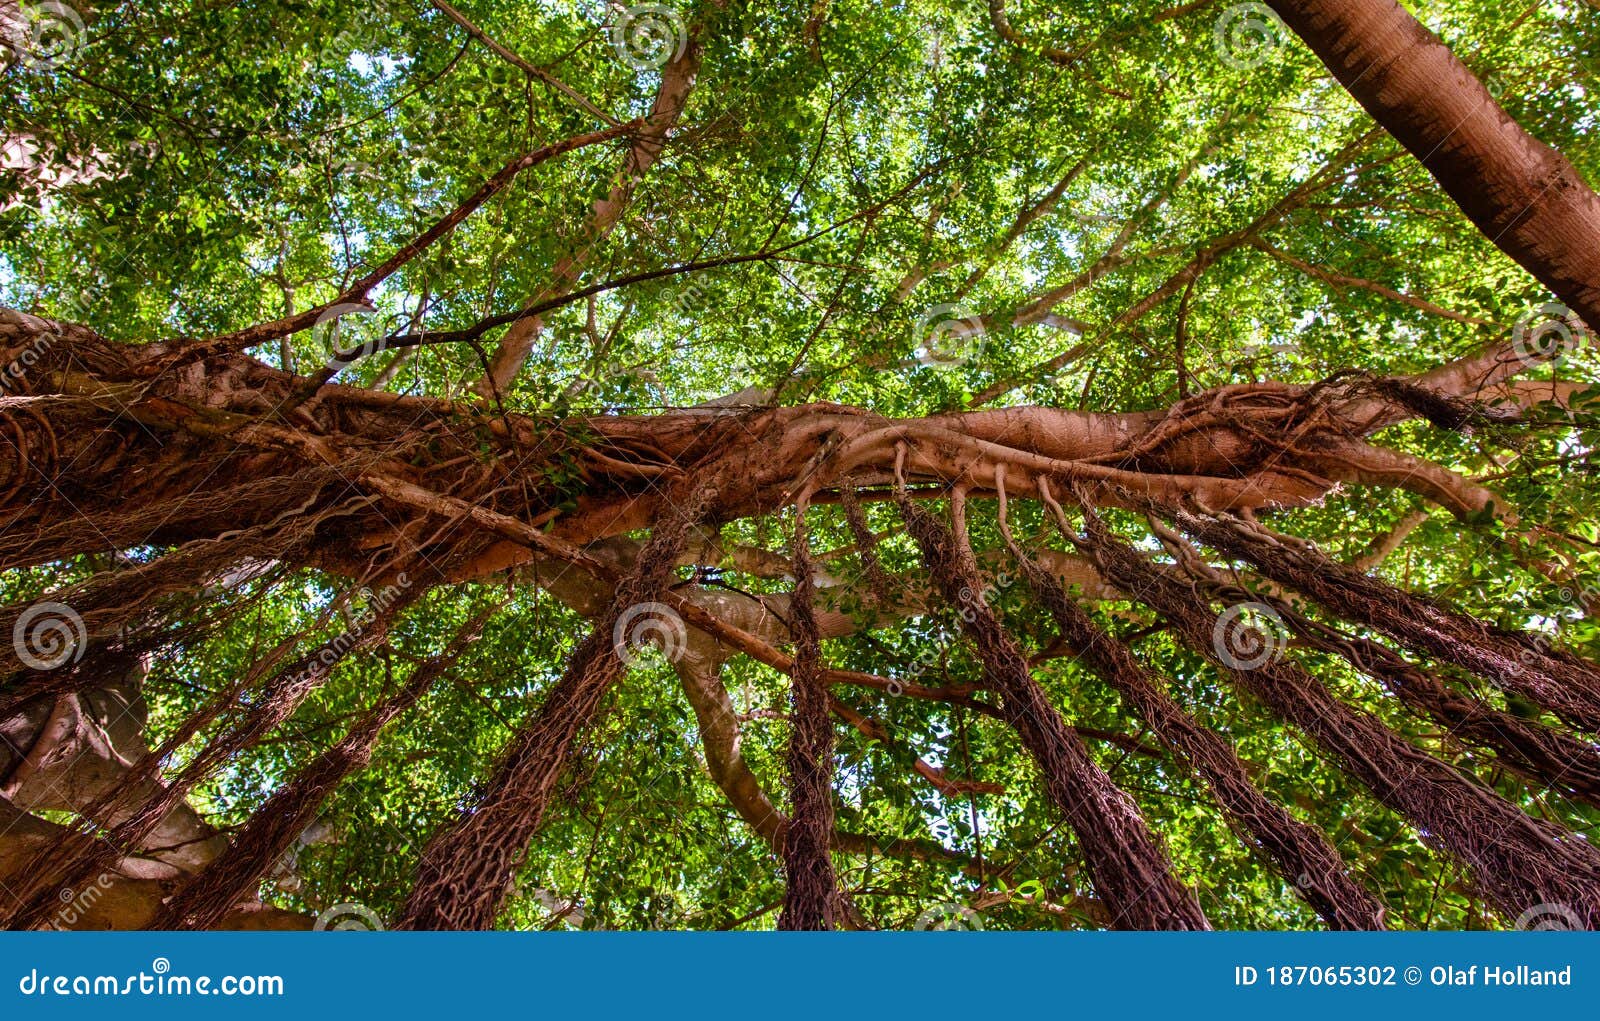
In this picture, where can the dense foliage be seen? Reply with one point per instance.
(865, 173)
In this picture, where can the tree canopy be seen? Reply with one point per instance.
(551, 465)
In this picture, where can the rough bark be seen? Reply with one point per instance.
(126, 896)
(81, 766)
(1539, 754)
(206, 899)
(811, 893)
(1526, 664)
(1298, 852)
(468, 868)
(1127, 863)
(1516, 861)
(78, 860)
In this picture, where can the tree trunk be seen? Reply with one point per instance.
(1525, 196)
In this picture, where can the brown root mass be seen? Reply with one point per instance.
(1516, 861)
(811, 895)
(468, 868)
(1130, 869)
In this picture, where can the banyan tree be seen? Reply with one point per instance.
(814, 466)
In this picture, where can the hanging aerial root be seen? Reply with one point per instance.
(1516, 662)
(1295, 850)
(280, 820)
(138, 607)
(1130, 869)
(811, 893)
(866, 542)
(1516, 861)
(468, 867)
(75, 862)
(1527, 748)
